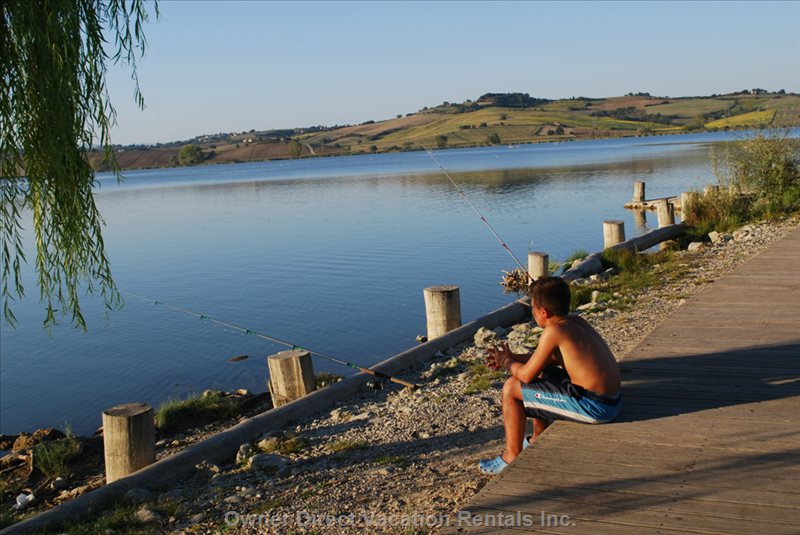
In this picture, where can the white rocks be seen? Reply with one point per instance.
(146, 516)
(268, 444)
(719, 238)
(696, 246)
(246, 451)
(196, 519)
(265, 462)
(743, 234)
(22, 501)
(483, 337)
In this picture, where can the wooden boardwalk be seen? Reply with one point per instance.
(709, 437)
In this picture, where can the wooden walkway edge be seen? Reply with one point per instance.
(708, 441)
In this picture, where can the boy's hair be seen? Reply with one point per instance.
(551, 293)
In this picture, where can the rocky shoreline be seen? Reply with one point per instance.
(397, 461)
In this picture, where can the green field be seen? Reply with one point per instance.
(469, 124)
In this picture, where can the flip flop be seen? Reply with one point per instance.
(525, 443)
(492, 467)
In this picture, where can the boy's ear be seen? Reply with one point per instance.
(547, 313)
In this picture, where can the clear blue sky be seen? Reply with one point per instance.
(232, 66)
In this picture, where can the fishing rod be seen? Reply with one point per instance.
(380, 375)
(475, 209)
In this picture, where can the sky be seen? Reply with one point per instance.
(234, 66)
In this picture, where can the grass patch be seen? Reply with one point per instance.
(287, 445)
(388, 459)
(196, 410)
(118, 519)
(482, 378)
(52, 458)
(580, 295)
(578, 254)
(269, 505)
(346, 445)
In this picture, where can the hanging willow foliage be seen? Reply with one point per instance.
(54, 106)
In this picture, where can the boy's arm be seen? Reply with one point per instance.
(541, 358)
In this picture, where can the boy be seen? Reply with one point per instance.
(572, 375)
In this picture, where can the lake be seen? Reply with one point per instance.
(331, 254)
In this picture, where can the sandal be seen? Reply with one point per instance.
(492, 466)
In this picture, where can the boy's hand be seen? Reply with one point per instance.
(499, 356)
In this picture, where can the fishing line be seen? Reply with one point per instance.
(380, 375)
(475, 209)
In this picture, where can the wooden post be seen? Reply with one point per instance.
(442, 309)
(687, 197)
(638, 191)
(613, 232)
(640, 218)
(538, 265)
(129, 439)
(666, 213)
(291, 376)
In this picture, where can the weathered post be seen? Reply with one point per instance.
(538, 265)
(638, 191)
(640, 218)
(666, 213)
(291, 376)
(129, 439)
(613, 232)
(442, 309)
(687, 198)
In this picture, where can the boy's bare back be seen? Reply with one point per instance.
(583, 353)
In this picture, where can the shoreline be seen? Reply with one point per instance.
(365, 153)
(420, 448)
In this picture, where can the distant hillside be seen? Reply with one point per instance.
(494, 118)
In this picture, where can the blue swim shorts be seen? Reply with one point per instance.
(554, 397)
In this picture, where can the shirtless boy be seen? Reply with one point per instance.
(572, 375)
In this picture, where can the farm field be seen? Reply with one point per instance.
(485, 122)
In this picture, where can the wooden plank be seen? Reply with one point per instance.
(647, 519)
(708, 438)
(673, 487)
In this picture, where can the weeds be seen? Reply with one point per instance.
(52, 458)
(345, 445)
(199, 409)
(287, 445)
(118, 519)
(388, 459)
(482, 378)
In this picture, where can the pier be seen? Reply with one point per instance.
(709, 437)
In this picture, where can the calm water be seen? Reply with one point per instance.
(330, 254)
